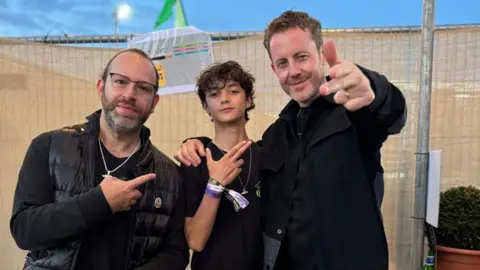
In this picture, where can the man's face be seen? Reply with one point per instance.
(298, 64)
(127, 105)
(227, 105)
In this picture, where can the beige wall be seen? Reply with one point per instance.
(44, 87)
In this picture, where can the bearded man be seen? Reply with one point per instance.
(99, 195)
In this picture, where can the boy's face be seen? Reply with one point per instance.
(228, 104)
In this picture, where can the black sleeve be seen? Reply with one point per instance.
(174, 253)
(268, 135)
(195, 180)
(38, 221)
(207, 140)
(204, 140)
(386, 115)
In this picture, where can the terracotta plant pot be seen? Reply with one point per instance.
(457, 259)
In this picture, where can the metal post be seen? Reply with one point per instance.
(115, 22)
(422, 157)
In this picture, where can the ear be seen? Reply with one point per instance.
(156, 98)
(205, 108)
(100, 88)
(249, 102)
(272, 66)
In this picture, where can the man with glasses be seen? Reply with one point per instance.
(99, 195)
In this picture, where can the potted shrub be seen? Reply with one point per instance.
(458, 232)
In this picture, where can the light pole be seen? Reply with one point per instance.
(121, 12)
(115, 21)
(423, 135)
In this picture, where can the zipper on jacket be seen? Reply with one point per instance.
(299, 128)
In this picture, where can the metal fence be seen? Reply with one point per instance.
(49, 82)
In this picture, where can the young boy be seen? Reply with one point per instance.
(222, 225)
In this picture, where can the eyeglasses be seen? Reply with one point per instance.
(120, 81)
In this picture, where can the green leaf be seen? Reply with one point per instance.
(459, 218)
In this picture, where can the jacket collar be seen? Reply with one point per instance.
(290, 111)
(324, 117)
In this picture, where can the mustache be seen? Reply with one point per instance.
(125, 103)
(291, 80)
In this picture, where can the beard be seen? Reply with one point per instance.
(310, 91)
(121, 124)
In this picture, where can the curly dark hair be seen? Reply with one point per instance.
(292, 19)
(215, 77)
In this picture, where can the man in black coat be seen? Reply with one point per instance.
(99, 195)
(321, 158)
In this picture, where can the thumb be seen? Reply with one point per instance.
(330, 53)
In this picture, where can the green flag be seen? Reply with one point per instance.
(180, 18)
(166, 14)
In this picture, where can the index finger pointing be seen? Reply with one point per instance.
(141, 180)
(341, 70)
(337, 85)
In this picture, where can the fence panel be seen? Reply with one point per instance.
(46, 86)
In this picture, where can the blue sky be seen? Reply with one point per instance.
(88, 17)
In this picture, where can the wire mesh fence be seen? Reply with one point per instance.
(49, 82)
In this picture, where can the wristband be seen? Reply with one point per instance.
(215, 189)
(214, 182)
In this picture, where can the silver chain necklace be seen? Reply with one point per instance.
(244, 187)
(123, 163)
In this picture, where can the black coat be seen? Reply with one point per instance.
(56, 201)
(319, 204)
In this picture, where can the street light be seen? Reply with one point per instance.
(121, 12)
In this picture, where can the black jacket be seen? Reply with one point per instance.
(318, 198)
(56, 201)
(320, 210)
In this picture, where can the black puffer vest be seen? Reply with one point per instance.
(72, 172)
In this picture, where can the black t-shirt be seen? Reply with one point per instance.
(235, 242)
(105, 247)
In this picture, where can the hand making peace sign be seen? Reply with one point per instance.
(228, 167)
(351, 87)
